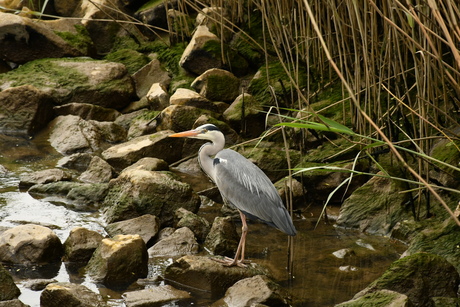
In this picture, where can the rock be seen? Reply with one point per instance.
(344, 253)
(196, 58)
(42, 177)
(164, 233)
(383, 298)
(119, 261)
(87, 111)
(222, 238)
(180, 118)
(146, 226)
(149, 164)
(375, 207)
(99, 171)
(81, 244)
(445, 150)
(23, 40)
(181, 242)
(38, 284)
(253, 117)
(30, 244)
(69, 294)
(286, 186)
(198, 225)
(82, 195)
(147, 76)
(156, 296)
(256, 290)
(137, 192)
(205, 274)
(143, 124)
(186, 97)
(154, 14)
(157, 145)
(217, 85)
(77, 161)
(420, 277)
(71, 134)
(8, 289)
(81, 80)
(25, 109)
(158, 97)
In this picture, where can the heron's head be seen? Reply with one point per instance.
(204, 132)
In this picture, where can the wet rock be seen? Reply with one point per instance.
(25, 109)
(158, 97)
(146, 226)
(253, 117)
(198, 225)
(23, 40)
(102, 83)
(87, 111)
(81, 244)
(157, 145)
(137, 192)
(99, 171)
(181, 242)
(43, 177)
(377, 214)
(30, 244)
(256, 290)
(205, 274)
(149, 164)
(156, 296)
(379, 298)
(196, 58)
(8, 289)
(81, 195)
(77, 161)
(420, 277)
(38, 284)
(147, 76)
(222, 238)
(69, 294)
(71, 134)
(217, 85)
(186, 97)
(119, 261)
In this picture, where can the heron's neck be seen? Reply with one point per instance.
(206, 156)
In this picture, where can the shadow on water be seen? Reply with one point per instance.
(320, 278)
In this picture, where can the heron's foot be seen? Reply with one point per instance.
(226, 261)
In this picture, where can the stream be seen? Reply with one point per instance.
(319, 277)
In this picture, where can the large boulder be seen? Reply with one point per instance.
(30, 244)
(157, 145)
(8, 289)
(420, 277)
(137, 192)
(207, 275)
(81, 244)
(23, 40)
(196, 57)
(69, 294)
(119, 261)
(25, 109)
(82, 80)
(71, 134)
(217, 85)
(180, 242)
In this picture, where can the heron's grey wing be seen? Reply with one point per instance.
(247, 187)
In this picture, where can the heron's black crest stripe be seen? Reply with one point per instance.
(210, 127)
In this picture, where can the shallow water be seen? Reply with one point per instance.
(319, 277)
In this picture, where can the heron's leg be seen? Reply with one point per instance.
(244, 231)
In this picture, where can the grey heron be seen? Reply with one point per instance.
(242, 184)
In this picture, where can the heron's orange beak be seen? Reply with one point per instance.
(185, 134)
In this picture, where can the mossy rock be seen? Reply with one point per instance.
(132, 59)
(381, 298)
(446, 151)
(235, 62)
(80, 40)
(278, 80)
